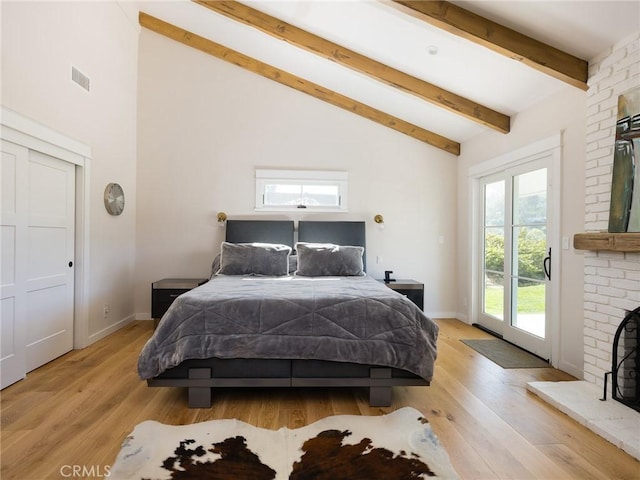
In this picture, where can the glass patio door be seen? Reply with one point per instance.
(516, 257)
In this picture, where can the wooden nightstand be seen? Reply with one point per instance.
(411, 289)
(165, 291)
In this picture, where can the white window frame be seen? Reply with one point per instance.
(265, 177)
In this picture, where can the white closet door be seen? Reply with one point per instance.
(38, 219)
(13, 217)
(50, 242)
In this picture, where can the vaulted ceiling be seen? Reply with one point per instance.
(441, 72)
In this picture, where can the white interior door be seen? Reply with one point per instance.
(12, 280)
(50, 242)
(38, 219)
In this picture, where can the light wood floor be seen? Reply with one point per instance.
(77, 410)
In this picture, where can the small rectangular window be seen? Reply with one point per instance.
(313, 190)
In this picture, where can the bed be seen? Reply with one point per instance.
(319, 321)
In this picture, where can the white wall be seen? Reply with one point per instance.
(205, 125)
(611, 279)
(40, 43)
(563, 112)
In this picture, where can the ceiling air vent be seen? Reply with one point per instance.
(80, 78)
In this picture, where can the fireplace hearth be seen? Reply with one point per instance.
(625, 360)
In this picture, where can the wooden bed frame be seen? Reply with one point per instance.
(201, 376)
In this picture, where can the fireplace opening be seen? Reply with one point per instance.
(625, 359)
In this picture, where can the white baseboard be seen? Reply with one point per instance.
(440, 314)
(143, 316)
(105, 332)
(571, 369)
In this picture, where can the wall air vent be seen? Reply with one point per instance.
(80, 78)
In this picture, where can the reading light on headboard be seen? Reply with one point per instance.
(379, 219)
(222, 219)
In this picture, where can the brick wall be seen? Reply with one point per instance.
(611, 279)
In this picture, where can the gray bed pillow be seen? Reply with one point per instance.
(215, 265)
(326, 259)
(254, 259)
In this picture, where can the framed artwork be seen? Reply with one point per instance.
(624, 212)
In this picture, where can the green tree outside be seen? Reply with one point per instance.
(531, 253)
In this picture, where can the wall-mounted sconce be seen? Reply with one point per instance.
(222, 219)
(379, 219)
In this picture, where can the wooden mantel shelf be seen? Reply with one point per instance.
(615, 242)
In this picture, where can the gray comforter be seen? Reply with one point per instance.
(344, 319)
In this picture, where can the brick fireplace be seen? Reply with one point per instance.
(611, 279)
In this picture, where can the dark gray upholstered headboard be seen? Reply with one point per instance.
(339, 233)
(264, 231)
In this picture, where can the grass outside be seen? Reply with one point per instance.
(530, 299)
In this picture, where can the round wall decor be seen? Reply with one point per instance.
(114, 199)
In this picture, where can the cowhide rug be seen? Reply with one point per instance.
(397, 446)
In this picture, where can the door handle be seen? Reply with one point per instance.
(546, 264)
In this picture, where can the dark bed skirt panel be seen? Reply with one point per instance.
(232, 368)
(200, 376)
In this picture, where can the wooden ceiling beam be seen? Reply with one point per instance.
(285, 78)
(355, 61)
(500, 39)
